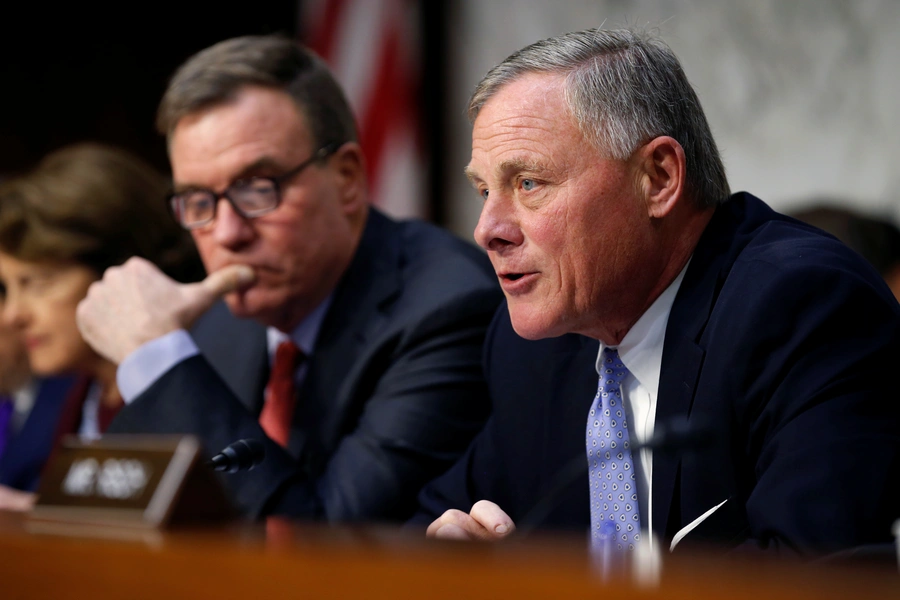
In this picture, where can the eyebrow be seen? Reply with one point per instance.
(507, 167)
(260, 164)
(470, 174)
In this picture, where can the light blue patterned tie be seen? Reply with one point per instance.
(611, 473)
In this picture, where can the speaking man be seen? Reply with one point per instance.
(641, 295)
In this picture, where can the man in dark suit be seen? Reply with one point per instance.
(386, 318)
(622, 252)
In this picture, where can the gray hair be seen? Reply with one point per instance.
(623, 88)
(215, 75)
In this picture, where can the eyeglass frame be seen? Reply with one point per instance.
(173, 199)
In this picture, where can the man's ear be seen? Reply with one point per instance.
(662, 168)
(349, 166)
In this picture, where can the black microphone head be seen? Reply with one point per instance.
(681, 434)
(241, 455)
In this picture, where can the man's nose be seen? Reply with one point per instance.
(497, 227)
(231, 229)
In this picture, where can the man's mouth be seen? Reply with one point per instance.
(512, 276)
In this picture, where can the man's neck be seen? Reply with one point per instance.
(677, 241)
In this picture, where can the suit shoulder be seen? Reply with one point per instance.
(438, 260)
(750, 245)
(791, 256)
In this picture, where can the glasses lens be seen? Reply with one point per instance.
(255, 196)
(194, 208)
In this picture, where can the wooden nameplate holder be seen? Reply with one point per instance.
(130, 482)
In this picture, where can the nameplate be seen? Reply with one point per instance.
(129, 480)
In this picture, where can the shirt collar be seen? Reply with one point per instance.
(304, 335)
(641, 348)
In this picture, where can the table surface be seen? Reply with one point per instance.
(285, 559)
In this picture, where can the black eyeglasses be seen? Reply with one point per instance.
(250, 197)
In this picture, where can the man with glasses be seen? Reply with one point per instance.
(372, 327)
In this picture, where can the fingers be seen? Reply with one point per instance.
(454, 524)
(200, 296)
(450, 531)
(135, 303)
(486, 521)
(492, 518)
(13, 499)
(228, 279)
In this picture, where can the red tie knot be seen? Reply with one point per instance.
(287, 359)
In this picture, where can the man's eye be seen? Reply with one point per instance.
(484, 193)
(528, 184)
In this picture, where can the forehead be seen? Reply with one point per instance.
(11, 266)
(258, 123)
(526, 120)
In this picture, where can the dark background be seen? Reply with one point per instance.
(72, 72)
(90, 71)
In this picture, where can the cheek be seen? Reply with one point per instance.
(558, 246)
(62, 346)
(206, 247)
(548, 233)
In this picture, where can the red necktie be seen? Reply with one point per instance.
(278, 411)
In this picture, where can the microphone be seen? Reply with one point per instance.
(238, 456)
(679, 434)
(672, 436)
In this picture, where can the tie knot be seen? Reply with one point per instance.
(612, 366)
(287, 358)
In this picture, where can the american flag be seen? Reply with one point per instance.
(372, 47)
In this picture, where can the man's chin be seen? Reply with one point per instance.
(241, 306)
(244, 305)
(531, 324)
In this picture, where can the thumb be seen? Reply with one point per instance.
(227, 279)
(200, 296)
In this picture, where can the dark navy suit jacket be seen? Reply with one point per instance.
(780, 339)
(28, 450)
(393, 394)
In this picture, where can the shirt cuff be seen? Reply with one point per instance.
(149, 362)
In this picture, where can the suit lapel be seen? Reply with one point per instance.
(356, 315)
(677, 384)
(682, 359)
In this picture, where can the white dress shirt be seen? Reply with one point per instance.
(89, 429)
(23, 401)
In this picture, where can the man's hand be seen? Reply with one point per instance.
(13, 499)
(136, 303)
(486, 521)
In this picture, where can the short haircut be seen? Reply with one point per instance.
(215, 76)
(96, 206)
(623, 88)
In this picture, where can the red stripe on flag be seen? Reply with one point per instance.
(321, 35)
(387, 108)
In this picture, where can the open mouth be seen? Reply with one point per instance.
(513, 276)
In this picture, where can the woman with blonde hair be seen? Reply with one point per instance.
(83, 209)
